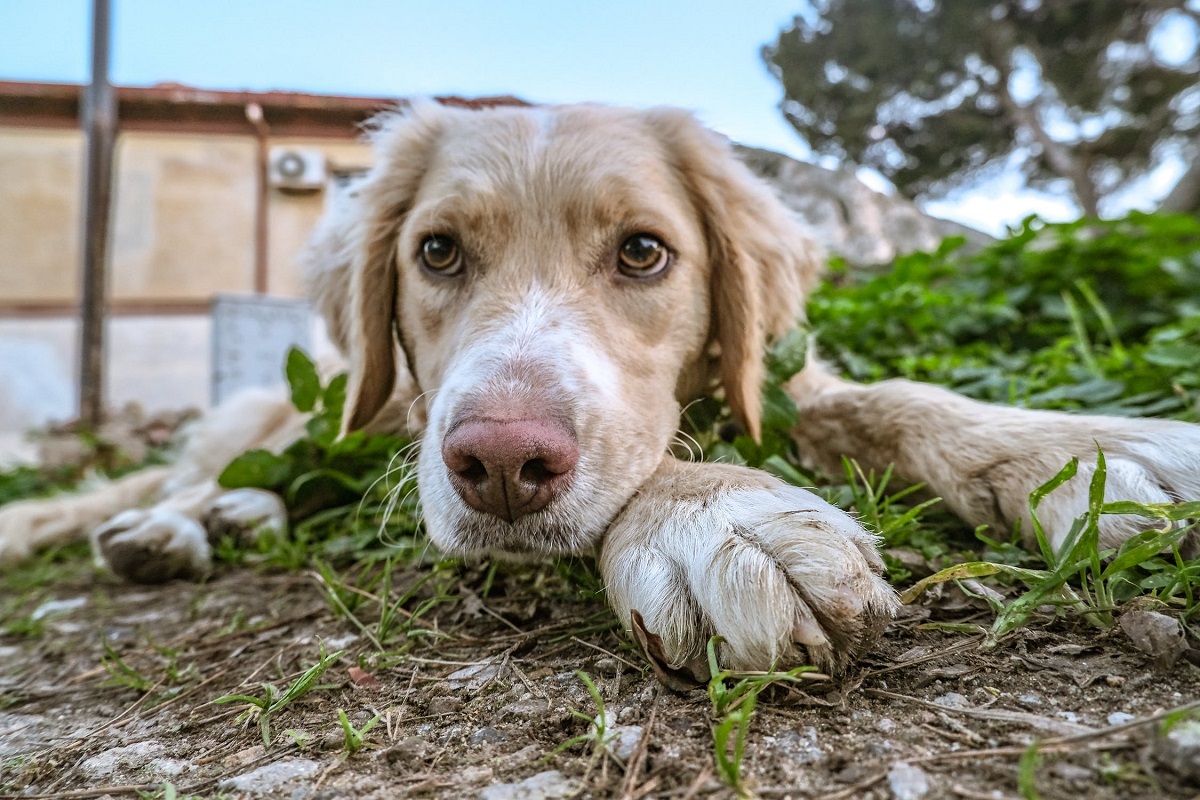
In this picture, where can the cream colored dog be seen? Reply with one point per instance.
(535, 294)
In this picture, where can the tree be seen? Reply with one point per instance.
(932, 92)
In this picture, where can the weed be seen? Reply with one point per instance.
(1080, 575)
(354, 738)
(733, 707)
(121, 673)
(598, 734)
(272, 701)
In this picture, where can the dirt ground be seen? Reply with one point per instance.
(477, 697)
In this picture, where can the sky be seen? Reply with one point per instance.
(697, 54)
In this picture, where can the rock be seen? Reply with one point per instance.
(1179, 749)
(799, 748)
(446, 704)
(525, 708)
(907, 782)
(952, 700)
(474, 677)
(622, 740)
(487, 735)
(1156, 635)
(549, 785)
(1119, 718)
(129, 758)
(269, 778)
(846, 216)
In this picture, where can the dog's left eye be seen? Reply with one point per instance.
(642, 256)
(440, 255)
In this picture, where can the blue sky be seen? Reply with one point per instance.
(698, 54)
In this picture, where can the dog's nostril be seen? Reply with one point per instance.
(536, 471)
(474, 470)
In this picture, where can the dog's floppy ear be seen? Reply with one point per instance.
(352, 269)
(762, 262)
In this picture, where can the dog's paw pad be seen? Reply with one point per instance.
(152, 546)
(242, 513)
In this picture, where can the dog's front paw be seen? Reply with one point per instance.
(243, 513)
(782, 576)
(152, 545)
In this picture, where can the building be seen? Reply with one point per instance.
(214, 193)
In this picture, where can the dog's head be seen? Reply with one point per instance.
(558, 281)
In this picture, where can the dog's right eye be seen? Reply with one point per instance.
(440, 255)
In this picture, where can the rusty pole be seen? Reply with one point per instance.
(99, 119)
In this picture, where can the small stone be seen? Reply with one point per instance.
(1156, 635)
(1029, 700)
(622, 740)
(549, 785)
(607, 664)
(907, 782)
(445, 704)
(885, 725)
(1072, 773)
(1179, 749)
(487, 735)
(115, 759)
(1119, 718)
(271, 777)
(952, 700)
(525, 708)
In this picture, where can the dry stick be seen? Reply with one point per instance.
(998, 714)
(1056, 744)
(608, 653)
(98, 792)
(954, 648)
(631, 791)
(855, 789)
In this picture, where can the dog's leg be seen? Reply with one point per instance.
(784, 577)
(27, 526)
(983, 460)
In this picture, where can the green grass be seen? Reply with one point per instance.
(1100, 317)
(263, 708)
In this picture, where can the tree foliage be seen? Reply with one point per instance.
(930, 92)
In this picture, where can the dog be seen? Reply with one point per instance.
(535, 294)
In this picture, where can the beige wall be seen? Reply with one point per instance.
(291, 217)
(40, 186)
(183, 220)
(183, 226)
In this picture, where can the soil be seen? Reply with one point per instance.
(478, 697)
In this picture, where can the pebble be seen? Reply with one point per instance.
(271, 777)
(1179, 749)
(1119, 718)
(549, 785)
(525, 708)
(952, 700)
(622, 740)
(130, 757)
(907, 782)
(446, 704)
(487, 735)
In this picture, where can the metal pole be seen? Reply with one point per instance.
(99, 119)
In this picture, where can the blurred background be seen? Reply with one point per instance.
(885, 124)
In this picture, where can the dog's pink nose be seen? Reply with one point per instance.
(510, 468)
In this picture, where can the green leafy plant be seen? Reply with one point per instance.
(597, 734)
(353, 738)
(733, 696)
(265, 706)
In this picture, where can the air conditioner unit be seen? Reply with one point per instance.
(296, 169)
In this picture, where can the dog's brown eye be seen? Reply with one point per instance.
(643, 255)
(440, 254)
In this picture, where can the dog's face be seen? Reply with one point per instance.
(559, 280)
